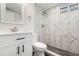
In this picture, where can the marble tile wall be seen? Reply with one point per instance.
(64, 29)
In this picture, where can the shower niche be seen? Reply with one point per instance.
(12, 13)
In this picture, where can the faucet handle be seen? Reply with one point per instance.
(15, 29)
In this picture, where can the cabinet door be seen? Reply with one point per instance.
(9, 50)
(27, 48)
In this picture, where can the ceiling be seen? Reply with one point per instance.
(46, 6)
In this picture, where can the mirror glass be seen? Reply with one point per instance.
(13, 13)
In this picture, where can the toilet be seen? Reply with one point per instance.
(38, 47)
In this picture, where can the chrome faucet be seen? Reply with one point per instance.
(14, 29)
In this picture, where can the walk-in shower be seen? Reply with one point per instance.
(57, 27)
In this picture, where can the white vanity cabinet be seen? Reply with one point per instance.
(25, 46)
(16, 45)
(9, 50)
(26, 49)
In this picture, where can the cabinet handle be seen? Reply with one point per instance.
(23, 48)
(20, 38)
(18, 50)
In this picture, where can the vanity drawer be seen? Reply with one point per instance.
(14, 38)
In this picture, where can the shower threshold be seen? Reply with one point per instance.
(50, 53)
(53, 51)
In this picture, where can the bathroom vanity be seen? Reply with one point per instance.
(13, 43)
(16, 44)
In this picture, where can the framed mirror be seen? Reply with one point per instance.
(12, 13)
